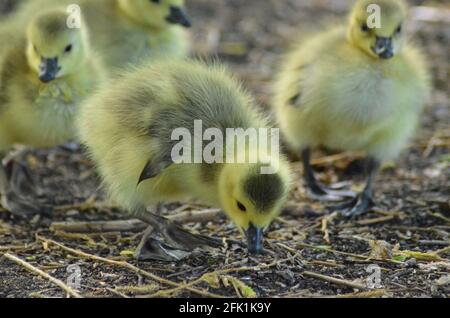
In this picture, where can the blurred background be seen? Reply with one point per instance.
(250, 36)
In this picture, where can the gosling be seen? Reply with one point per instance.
(129, 129)
(44, 75)
(357, 87)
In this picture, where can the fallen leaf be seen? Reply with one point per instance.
(420, 256)
(127, 253)
(380, 250)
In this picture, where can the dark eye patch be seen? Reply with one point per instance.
(68, 48)
(365, 27)
(264, 190)
(156, 1)
(241, 207)
(399, 29)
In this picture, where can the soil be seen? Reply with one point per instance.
(405, 238)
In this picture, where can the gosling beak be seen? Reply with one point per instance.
(383, 47)
(48, 69)
(254, 239)
(179, 16)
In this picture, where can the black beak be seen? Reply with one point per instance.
(254, 239)
(383, 47)
(179, 16)
(48, 69)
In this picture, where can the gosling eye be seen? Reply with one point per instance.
(399, 29)
(365, 28)
(156, 1)
(241, 207)
(68, 48)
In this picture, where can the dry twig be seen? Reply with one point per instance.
(131, 225)
(333, 280)
(43, 274)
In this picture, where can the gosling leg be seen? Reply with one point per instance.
(21, 179)
(165, 241)
(363, 202)
(315, 189)
(23, 206)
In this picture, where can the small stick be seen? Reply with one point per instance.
(43, 274)
(304, 245)
(443, 250)
(99, 227)
(365, 294)
(287, 248)
(323, 263)
(376, 220)
(83, 206)
(439, 216)
(335, 280)
(324, 228)
(8, 248)
(137, 290)
(361, 257)
(116, 292)
(133, 225)
(434, 242)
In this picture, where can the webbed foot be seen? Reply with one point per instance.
(333, 193)
(359, 205)
(166, 241)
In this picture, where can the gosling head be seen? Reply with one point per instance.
(55, 50)
(377, 27)
(252, 200)
(156, 13)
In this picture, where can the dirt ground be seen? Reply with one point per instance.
(310, 253)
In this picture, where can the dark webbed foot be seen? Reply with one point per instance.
(21, 201)
(318, 191)
(332, 193)
(24, 207)
(363, 203)
(21, 179)
(152, 247)
(356, 206)
(166, 241)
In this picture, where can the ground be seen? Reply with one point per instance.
(309, 253)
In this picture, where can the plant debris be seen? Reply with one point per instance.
(402, 247)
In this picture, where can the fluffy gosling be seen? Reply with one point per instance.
(354, 87)
(128, 126)
(44, 75)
